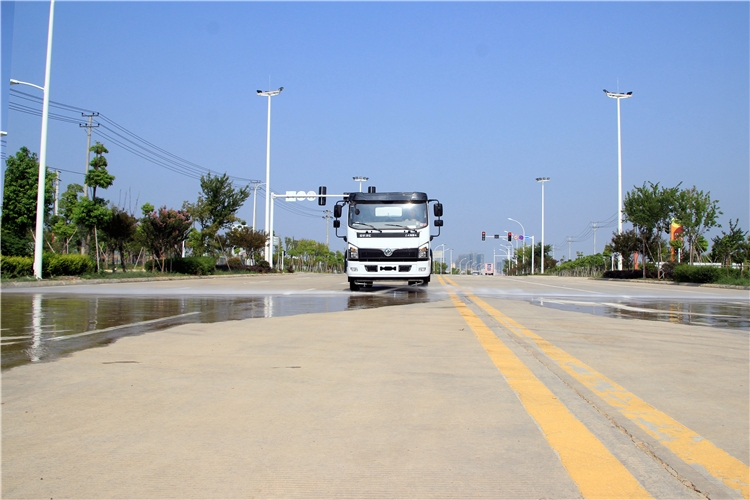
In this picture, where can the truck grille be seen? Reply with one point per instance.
(377, 255)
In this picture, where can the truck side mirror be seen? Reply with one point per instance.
(336, 223)
(337, 211)
(437, 209)
(439, 223)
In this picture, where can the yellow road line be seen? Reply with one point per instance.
(596, 472)
(682, 441)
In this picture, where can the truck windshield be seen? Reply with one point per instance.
(388, 215)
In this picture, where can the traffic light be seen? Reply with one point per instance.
(484, 235)
(510, 236)
(321, 196)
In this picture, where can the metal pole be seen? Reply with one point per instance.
(256, 185)
(269, 245)
(542, 180)
(619, 183)
(39, 241)
(532, 256)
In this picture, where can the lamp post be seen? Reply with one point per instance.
(523, 254)
(269, 243)
(542, 180)
(618, 96)
(461, 263)
(450, 268)
(360, 179)
(442, 255)
(39, 235)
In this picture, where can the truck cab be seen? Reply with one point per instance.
(388, 237)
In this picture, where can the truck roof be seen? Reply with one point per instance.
(386, 197)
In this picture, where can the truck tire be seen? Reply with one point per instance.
(353, 286)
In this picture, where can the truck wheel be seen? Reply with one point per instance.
(353, 286)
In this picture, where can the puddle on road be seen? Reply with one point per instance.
(721, 314)
(44, 327)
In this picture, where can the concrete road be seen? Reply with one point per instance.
(478, 392)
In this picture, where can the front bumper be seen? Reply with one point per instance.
(392, 270)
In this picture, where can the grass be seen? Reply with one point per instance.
(732, 280)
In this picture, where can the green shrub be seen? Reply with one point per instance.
(235, 263)
(67, 265)
(198, 266)
(696, 274)
(15, 267)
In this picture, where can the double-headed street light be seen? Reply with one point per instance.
(542, 180)
(269, 243)
(618, 96)
(39, 234)
(360, 179)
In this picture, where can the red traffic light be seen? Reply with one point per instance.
(484, 235)
(510, 236)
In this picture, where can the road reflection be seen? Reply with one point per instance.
(44, 326)
(720, 314)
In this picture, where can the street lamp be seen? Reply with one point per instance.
(523, 254)
(360, 179)
(461, 262)
(450, 268)
(269, 243)
(39, 235)
(618, 96)
(542, 180)
(442, 254)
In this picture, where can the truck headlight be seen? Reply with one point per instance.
(423, 251)
(353, 253)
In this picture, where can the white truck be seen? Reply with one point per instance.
(388, 236)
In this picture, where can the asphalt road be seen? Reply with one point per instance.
(487, 387)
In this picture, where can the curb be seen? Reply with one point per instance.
(64, 282)
(673, 283)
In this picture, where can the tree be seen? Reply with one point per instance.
(64, 227)
(650, 210)
(98, 176)
(164, 230)
(252, 242)
(697, 213)
(93, 213)
(19, 202)
(215, 210)
(120, 229)
(625, 244)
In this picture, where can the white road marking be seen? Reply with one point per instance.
(92, 332)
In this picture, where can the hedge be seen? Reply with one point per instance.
(696, 274)
(67, 265)
(196, 266)
(15, 267)
(52, 265)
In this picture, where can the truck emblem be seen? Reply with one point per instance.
(388, 252)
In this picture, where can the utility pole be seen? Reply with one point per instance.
(594, 227)
(327, 216)
(255, 184)
(57, 191)
(569, 240)
(88, 147)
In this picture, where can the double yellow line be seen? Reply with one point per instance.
(596, 472)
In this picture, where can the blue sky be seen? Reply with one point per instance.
(469, 102)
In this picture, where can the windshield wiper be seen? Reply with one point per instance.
(368, 225)
(402, 227)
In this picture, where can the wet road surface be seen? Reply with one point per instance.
(44, 323)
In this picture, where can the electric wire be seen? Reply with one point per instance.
(148, 151)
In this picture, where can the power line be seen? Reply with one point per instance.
(148, 151)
